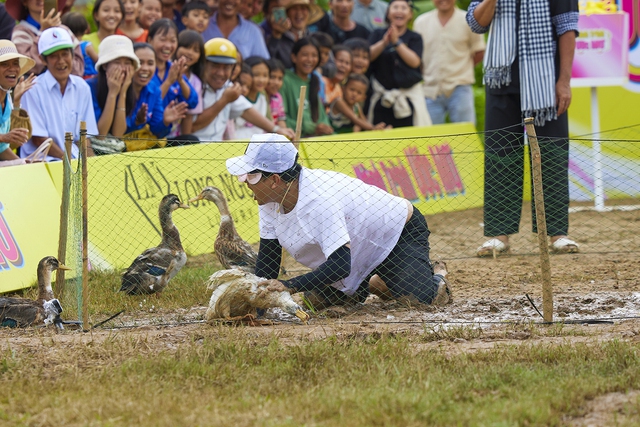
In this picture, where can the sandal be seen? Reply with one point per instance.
(490, 246)
(564, 245)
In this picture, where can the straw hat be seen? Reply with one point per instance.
(18, 11)
(114, 47)
(8, 52)
(315, 11)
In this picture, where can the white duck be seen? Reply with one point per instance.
(236, 295)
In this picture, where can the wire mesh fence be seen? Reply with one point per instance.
(442, 176)
(71, 235)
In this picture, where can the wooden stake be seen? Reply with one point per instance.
(64, 216)
(303, 96)
(541, 221)
(296, 140)
(85, 234)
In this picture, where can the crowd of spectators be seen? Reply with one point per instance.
(177, 73)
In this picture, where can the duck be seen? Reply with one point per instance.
(237, 295)
(44, 310)
(152, 270)
(230, 249)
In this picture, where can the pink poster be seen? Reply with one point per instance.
(602, 50)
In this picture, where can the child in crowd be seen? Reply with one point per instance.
(346, 113)
(325, 43)
(230, 128)
(171, 11)
(79, 26)
(130, 26)
(276, 74)
(107, 14)
(191, 47)
(256, 95)
(150, 12)
(235, 73)
(195, 16)
(245, 79)
(326, 67)
(163, 37)
(305, 56)
(360, 63)
(360, 54)
(333, 88)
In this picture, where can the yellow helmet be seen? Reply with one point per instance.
(221, 51)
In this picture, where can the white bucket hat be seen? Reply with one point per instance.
(8, 52)
(114, 47)
(268, 152)
(53, 39)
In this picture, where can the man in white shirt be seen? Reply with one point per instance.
(59, 101)
(222, 100)
(342, 228)
(451, 51)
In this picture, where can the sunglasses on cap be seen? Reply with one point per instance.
(251, 178)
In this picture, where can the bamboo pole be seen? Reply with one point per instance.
(541, 221)
(64, 216)
(296, 142)
(85, 234)
(303, 95)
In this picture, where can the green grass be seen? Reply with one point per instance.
(225, 376)
(187, 289)
(205, 375)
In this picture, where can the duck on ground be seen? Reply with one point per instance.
(232, 251)
(151, 271)
(237, 294)
(44, 310)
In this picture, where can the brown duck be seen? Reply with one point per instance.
(45, 310)
(152, 270)
(232, 251)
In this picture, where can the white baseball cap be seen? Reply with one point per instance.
(53, 39)
(267, 152)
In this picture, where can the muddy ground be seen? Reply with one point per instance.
(596, 293)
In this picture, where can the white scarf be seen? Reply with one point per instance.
(536, 55)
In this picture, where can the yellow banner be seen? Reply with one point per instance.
(598, 6)
(620, 152)
(439, 168)
(29, 221)
(124, 193)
